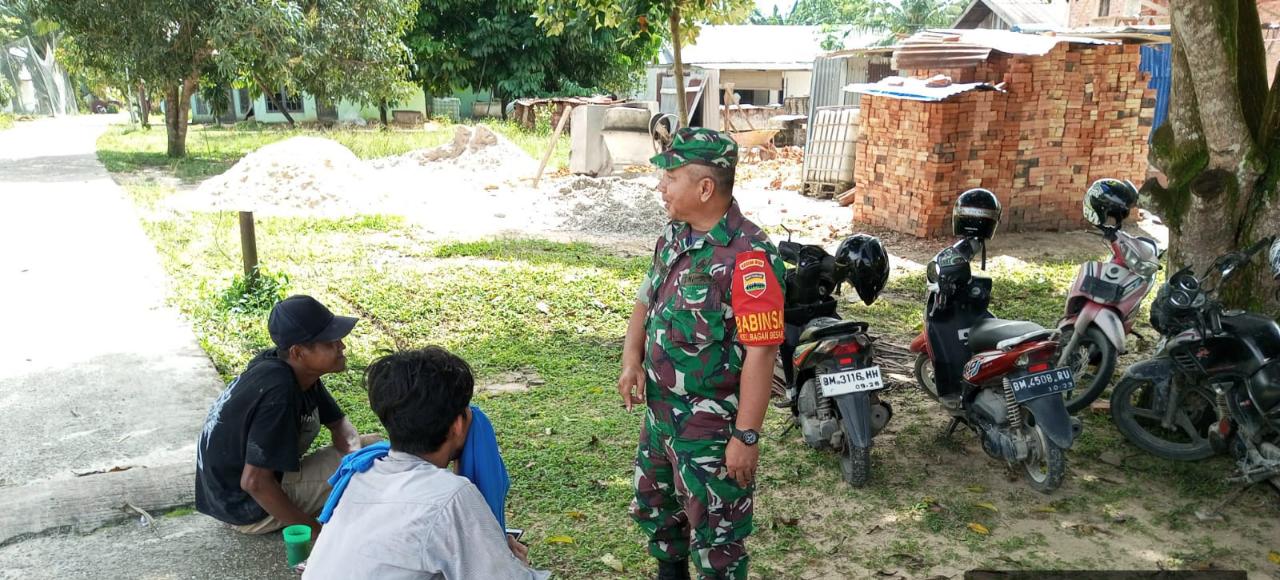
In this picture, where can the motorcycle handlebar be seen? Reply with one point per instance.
(790, 251)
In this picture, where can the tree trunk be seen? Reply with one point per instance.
(274, 97)
(144, 106)
(175, 121)
(677, 68)
(1217, 147)
(382, 114)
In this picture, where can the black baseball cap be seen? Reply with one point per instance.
(301, 319)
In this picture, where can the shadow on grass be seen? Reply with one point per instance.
(535, 251)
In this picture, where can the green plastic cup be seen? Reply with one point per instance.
(297, 544)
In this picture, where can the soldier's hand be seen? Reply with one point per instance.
(741, 460)
(631, 386)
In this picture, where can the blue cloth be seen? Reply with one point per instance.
(481, 463)
(355, 462)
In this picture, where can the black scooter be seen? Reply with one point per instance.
(1213, 385)
(827, 364)
(995, 376)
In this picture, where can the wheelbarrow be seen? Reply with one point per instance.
(754, 138)
(755, 144)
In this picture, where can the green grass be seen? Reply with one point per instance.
(558, 310)
(535, 142)
(212, 150)
(180, 512)
(6, 120)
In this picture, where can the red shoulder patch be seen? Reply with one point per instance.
(757, 300)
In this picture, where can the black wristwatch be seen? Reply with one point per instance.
(748, 436)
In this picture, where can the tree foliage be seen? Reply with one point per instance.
(906, 17)
(18, 19)
(500, 47)
(898, 18)
(819, 12)
(336, 49)
(682, 19)
(313, 47)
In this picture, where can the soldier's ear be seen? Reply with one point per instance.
(706, 188)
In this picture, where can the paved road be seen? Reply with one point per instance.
(95, 371)
(191, 546)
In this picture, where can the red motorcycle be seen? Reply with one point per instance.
(1105, 296)
(995, 376)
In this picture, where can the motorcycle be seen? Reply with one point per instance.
(826, 365)
(995, 376)
(1101, 308)
(1213, 385)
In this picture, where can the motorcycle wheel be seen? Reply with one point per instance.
(1131, 411)
(855, 463)
(1093, 363)
(924, 373)
(1046, 465)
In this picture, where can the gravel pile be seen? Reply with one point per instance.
(612, 206)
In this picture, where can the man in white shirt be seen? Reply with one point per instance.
(409, 516)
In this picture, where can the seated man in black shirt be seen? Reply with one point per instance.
(250, 472)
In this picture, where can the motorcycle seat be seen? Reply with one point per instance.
(826, 326)
(988, 333)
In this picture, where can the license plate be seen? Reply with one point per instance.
(850, 381)
(1050, 382)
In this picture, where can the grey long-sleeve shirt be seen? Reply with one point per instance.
(406, 519)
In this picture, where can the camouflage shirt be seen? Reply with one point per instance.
(693, 338)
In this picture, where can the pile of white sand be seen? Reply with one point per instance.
(474, 149)
(300, 175)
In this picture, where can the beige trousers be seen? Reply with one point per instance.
(308, 488)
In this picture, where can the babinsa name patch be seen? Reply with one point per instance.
(757, 301)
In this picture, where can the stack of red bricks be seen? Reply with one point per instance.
(1079, 113)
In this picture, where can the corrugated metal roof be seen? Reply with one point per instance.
(1156, 34)
(1022, 13)
(763, 47)
(968, 48)
(917, 89)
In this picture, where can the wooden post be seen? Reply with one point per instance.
(248, 245)
(555, 136)
(677, 67)
(728, 98)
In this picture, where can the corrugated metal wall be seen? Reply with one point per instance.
(832, 75)
(1157, 60)
(826, 82)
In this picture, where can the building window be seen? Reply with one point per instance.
(1104, 8)
(243, 104)
(759, 98)
(292, 102)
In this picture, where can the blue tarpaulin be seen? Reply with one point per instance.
(1157, 60)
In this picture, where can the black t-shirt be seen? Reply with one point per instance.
(257, 420)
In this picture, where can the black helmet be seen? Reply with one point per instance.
(976, 215)
(1109, 199)
(868, 265)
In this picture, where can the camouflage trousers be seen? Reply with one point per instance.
(688, 506)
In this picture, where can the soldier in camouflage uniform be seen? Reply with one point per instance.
(700, 351)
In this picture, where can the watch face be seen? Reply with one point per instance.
(749, 437)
